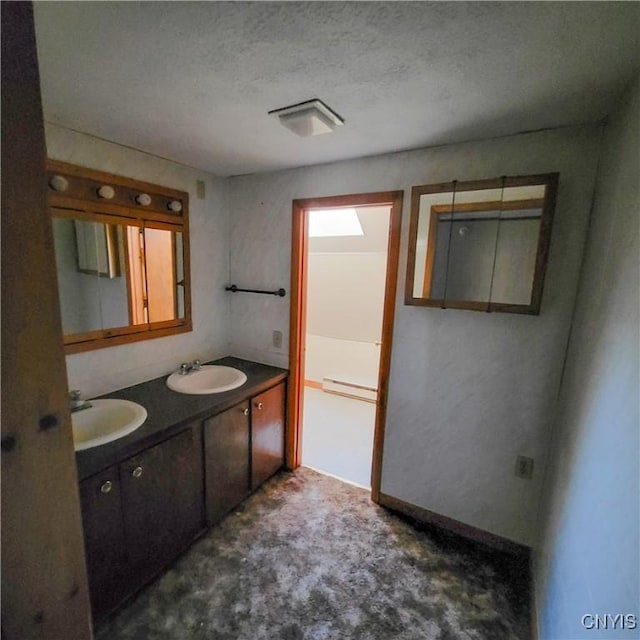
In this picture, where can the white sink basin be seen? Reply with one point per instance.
(210, 378)
(106, 420)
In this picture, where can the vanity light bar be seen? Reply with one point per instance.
(107, 192)
(67, 184)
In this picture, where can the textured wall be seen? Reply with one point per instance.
(468, 390)
(96, 372)
(589, 561)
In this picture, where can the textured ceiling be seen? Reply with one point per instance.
(193, 81)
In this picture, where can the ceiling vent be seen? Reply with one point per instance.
(311, 118)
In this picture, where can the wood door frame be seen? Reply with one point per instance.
(44, 591)
(299, 270)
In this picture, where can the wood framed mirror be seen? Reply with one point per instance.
(481, 245)
(122, 257)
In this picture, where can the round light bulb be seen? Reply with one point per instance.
(106, 192)
(144, 199)
(175, 206)
(59, 183)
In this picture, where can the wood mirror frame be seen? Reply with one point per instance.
(539, 252)
(73, 194)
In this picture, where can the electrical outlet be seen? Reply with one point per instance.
(277, 339)
(524, 467)
(200, 191)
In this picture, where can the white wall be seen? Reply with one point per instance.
(468, 390)
(342, 360)
(589, 560)
(345, 296)
(104, 370)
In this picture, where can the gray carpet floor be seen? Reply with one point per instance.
(308, 557)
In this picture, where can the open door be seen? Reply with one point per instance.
(299, 269)
(152, 273)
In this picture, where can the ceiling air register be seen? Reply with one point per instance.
(310, 118)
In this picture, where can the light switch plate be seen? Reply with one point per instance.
(277, 339)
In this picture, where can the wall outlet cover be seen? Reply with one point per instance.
(524, 467)
(277, 339)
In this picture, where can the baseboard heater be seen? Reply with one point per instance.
(350, 389)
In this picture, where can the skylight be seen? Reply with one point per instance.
(331, 223)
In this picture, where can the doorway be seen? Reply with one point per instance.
(357, 376)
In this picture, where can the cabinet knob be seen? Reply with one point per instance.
(259, 406)
(245, 412)
(106, 487)
(137, 472)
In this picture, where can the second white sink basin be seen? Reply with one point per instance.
(106, 420)
(210, 378)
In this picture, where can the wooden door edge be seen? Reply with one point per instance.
(388, 318)
(293, 449)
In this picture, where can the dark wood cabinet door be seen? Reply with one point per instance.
(267, 434)
(100, 498)
(226, 459)
(162, 501)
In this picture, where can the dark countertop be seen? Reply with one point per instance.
(168, 412)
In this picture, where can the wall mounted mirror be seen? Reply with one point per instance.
(480, 245)
(122, 261)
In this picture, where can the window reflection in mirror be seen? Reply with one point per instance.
(159, 277)
(481, 245)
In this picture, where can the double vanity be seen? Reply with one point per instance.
(210, 437)
(161, 461)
